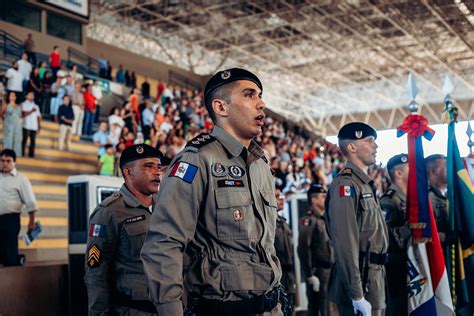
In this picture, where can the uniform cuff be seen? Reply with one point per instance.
(172, 308)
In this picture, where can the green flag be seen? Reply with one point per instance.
(460, 235)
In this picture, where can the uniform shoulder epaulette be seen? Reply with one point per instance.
(265, 159)
(389, 193)
(110, 199)
(200, 141)
(346, 172)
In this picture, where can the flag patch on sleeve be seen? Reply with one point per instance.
(96, 230)
(346, 190)
(184, 171)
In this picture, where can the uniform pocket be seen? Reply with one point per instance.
(136, 236)
(233, 213)
(369, 209)
(246, 278)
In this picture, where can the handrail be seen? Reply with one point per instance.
(13, 39)
(10, 44)
(80, 58)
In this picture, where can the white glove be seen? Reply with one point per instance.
(362, 306)
(314, 281)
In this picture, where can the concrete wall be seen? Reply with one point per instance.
(44, 42)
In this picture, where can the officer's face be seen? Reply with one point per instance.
(366, 150)
(280, 199)
(441, 170)
(7, 164)
(317, 200)
(145, 175)
(245, 115)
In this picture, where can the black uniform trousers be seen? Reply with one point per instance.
(9, 230)
(32, 135)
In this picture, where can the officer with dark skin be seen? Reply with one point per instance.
(217, 206)
(315, 252)
(284, 249)
(114, 275)
(393, 203)
(437, 179)
(356, 227)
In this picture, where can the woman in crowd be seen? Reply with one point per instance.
(11, 114)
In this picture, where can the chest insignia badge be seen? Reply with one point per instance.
(238, 215)
(218, 170)
(236, 171)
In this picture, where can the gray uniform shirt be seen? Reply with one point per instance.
(354, 217)
(117, 230)
(220, 210)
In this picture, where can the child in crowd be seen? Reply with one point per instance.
(107, 161)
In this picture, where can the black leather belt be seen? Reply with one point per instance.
(146, 306)
(255, 305)
(375, 258)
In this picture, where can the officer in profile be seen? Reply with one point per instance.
(437, 179)
(217, 206)
(315, 252)
(114, 276)
(393, 203)
(284, 249)
(356, 227)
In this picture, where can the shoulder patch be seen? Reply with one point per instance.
(346, 190)
(96, 230)
(200, 141)
(306, 221)
(183, 170)
(93, 257)
(346, 172)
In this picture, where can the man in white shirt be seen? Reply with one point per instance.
(31, 123)
(24, 67)
(15, 80)
(148, 118)
(16, 194)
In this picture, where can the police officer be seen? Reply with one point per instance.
(217, 205)
(114, 276)
(393, 203)
(284, 249)
(356, 227)
(315, 252)
(437, 179)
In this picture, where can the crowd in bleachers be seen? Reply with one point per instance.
(167, 121)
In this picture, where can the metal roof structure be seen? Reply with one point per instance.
(321, 62)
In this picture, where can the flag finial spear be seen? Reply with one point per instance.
(470, 143)
(412, 93)
(449, 108)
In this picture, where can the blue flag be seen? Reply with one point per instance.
(460, 235)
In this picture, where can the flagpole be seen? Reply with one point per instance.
(451, 118)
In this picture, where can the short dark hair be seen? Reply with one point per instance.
(9, 153)
(343, 143)
(224, 93)
(391, 171)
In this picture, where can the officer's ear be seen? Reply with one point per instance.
(351, 147)
(220, 107)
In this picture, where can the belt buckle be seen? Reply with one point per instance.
(271, 299)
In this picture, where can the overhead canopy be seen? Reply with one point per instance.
(317, 59)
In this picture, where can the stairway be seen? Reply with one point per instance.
(48, 173)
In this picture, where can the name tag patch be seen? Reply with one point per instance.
(135, 219)
(367, 195)
(230, 183)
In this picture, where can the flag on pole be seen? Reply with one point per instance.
(460, 235)
(427, 282)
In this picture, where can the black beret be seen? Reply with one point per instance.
(397, 160)
(356, 130)
(434, 157)
(227, 76)
(142, 151)
(315, 188)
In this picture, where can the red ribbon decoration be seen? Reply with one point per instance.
(415, 125)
